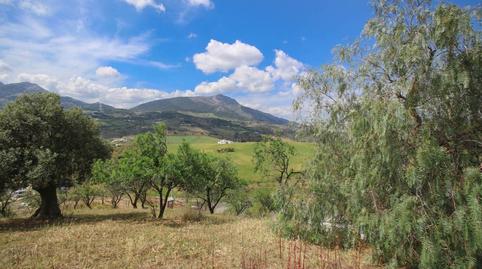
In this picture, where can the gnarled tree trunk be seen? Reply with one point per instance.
(49, 205)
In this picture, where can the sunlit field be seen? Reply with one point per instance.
(242, 155)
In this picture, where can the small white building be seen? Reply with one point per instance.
(224, 142)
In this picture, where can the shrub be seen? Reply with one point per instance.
(224, 150)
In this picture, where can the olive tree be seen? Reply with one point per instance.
(47, 146)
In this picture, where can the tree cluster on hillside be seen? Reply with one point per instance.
(398, 123)
(148, 165)
(45, 146)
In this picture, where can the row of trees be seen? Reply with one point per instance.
(147, 165)
(46, 147)
(398, 123)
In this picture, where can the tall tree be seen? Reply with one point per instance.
(167, 177)
(163, 171)
(47, 146)
(398, 125)
(210, 177)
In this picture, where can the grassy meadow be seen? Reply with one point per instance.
(129, 238)
(242, 155)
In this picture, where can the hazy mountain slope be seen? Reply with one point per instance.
(214, 106)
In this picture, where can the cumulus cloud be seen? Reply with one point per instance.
(107, 71)
(244, 78)
(285, 67)
(251, 79)
(141, 4)
(224, 56)
(201, 3)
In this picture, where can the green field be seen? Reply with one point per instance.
(242, 155)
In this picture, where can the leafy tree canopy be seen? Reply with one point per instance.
(46, 146)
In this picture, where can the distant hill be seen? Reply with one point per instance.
(219, 116)
(218, 106)
(8, 92)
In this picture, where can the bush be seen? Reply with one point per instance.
(239, 201)
(264, 203)
(224, 150)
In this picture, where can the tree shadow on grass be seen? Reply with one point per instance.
(28, 224)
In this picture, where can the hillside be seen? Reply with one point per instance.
(212, 106)
(218, 116)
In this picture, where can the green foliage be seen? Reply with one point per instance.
(223, 150)
(272, 158)
(164, 172)
(239, 200)
(397, 121)
(46, 146)
(265, 202)
(85, 192)
(105, 172)
(209, 177)
(133, 171)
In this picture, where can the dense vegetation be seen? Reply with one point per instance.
(397, 120)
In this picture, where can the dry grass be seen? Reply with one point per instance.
(128, 238)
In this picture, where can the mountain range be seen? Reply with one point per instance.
(219, 116)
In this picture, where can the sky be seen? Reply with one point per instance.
(127, 52)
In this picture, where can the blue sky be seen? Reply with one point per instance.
(125, 52)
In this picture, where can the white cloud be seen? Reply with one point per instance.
(90, 91)
(107, 71)
(159, 65)
(141, 4)
(203, 3)
(285, 67)
(5, 2)
(63, 55)
(244, 78)
(35, 7)
(251, 79)
(224, 57)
